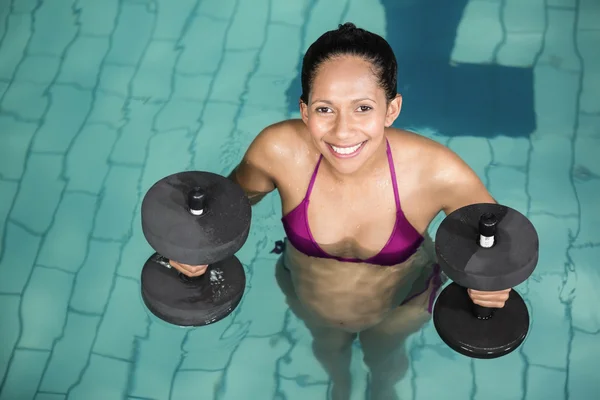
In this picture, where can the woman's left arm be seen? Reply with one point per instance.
(458, 186)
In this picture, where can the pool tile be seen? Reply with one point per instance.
(38, 69)
(25, 100)
(49, 396)
(158, 357)
(545, 383)
(510, 151)
(24, 374)
(168, 153)
(583, 373)
(550, 184)
(114, 79)
(367, 14)
(11, 326)
(527, 16)
(125, 310)
(520, 49)
(264, 305)
(108, 110)
(132, 143)
(325, 15)
(68, 110)
(475, 151)
(44, 308)
(553, 233)
(81, 65)
(268, 91)
(18, 257)
(555, 104)
(218, 121)
(55, 28)
(586, 155)
(289, 13)
(507, 185)
(42, 175)
(209, 347)
(193, 88)
(104, 378)
(153, 78)
(263, 353)
(16, 137)
(587, 43)
(95, 278)
(97, 18)
(172, 17)
(434, 374)
(13, 46)
(70, 354)
(588, 192)
(487, 372)
(200, 55)
(478, 33)
(66, 243)
(222, 9)
(585, 296)
(562, 3)
(280, 55)
(297, 388)
(136, 250)
(589, 15)
(87, 161)
(8, 191)
(178, 116)
(115, 214)
(559, 47)
(549, 323)
(22, 7)
(231, 80)
(243, 36)
(194, 385)
(130, 38)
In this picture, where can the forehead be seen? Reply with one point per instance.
(345, 77)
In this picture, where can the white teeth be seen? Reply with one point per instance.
(346, 150)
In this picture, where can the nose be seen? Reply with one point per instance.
(343, 127)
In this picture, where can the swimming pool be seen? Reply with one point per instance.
(99, 99)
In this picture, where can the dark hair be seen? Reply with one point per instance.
(350, 40)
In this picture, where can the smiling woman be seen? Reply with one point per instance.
(357, 199)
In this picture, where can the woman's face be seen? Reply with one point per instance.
(347, 112)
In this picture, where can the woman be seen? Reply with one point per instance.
(357, 199)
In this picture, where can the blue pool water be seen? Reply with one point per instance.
(101, 98)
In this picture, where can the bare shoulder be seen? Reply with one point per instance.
(276, 142)
(448, 177)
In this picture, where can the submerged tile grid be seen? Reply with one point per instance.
(99, 101)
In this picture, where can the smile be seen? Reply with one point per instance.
(347, 151)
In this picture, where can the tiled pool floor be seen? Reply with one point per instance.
(101, 98)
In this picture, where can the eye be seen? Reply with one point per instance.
(322, 110)
(364, 108)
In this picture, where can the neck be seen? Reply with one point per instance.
(377, 161)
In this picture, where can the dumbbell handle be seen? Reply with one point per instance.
(196, 201)
(487, 238)
(483, 312)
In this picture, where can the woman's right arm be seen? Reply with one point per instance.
(254, 172)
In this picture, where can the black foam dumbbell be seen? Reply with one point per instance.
(195, 218)
(487, 247)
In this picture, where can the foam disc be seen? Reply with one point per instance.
(459, 327)
(509, 262)
(199, 301)
(175, 232)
